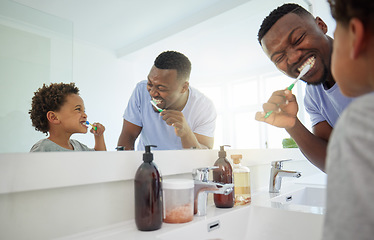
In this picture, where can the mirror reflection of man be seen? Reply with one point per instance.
(292, 38)
(188, 118)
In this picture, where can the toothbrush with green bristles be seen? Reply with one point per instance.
(153, 102)
(302, 73)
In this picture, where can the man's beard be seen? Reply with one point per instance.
(322, 80)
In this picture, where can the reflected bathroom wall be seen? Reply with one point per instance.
(35, 48)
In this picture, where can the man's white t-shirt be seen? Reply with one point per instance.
(199, 113)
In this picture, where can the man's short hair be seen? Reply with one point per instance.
(343, 10)
(276, 14)
(174, 60)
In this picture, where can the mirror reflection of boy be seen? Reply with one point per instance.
(350, 152)
(58, 110)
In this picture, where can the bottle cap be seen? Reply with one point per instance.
(236, 158)
(148, 156)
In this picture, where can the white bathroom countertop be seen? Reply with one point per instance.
(90, 195)
(127, 230)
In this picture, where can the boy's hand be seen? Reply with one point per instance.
(99, 137)
(99, 129)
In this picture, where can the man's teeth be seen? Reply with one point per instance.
(157, 101)
(311, 61)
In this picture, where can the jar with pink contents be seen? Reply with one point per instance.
(178, 200)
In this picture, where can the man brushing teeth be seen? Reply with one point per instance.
(292, 38)
(187, 119)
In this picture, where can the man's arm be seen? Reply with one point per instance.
(198, 141)
(129, 134)
(284, 106)
(313, 146)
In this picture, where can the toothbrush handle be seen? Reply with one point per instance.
(268, 114)
(291, 86)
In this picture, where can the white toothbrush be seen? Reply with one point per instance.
(155, 105)
(301, 74)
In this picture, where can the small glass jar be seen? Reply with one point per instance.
(178, 200)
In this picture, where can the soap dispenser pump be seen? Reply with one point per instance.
(223, 174)
(148, 194)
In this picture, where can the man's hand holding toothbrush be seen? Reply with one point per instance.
(284, 109)
(182, 129)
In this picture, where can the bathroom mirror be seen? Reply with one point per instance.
(228, 65)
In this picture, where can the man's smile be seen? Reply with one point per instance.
(310, 61)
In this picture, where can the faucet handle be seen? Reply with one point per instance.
(279, 163)
(202, 174)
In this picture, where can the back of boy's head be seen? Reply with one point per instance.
(276, 14)
(344, 10)
(49, 98)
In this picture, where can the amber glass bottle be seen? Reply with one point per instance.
(223, 174)
(148, 194)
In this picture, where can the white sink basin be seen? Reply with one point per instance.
(252, 222)
(293, 215)
(307, 196)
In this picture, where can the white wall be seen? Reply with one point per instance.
(105, 86)
(35, 48)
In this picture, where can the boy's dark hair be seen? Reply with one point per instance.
(49, 98)
(174, 60)
(343, 10)
(276, 14)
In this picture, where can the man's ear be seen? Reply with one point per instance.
(52, 117)
(356, 31)
(321, 24)
(185, 86)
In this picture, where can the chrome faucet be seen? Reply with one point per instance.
(203, 186)
(277, 173)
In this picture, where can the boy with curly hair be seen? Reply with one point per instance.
(59, 111)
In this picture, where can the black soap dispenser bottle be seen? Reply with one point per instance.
(223, 174)
(148, 194)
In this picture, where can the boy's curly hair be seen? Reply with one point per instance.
(49, 98)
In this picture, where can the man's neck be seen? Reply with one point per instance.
(329, 83)
(183, 101)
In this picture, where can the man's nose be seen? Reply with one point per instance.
(293, 56)
(153, 91)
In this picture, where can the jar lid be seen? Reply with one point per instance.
(177, 183)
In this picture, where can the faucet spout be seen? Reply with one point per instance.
(277, 173)
(203, 186)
